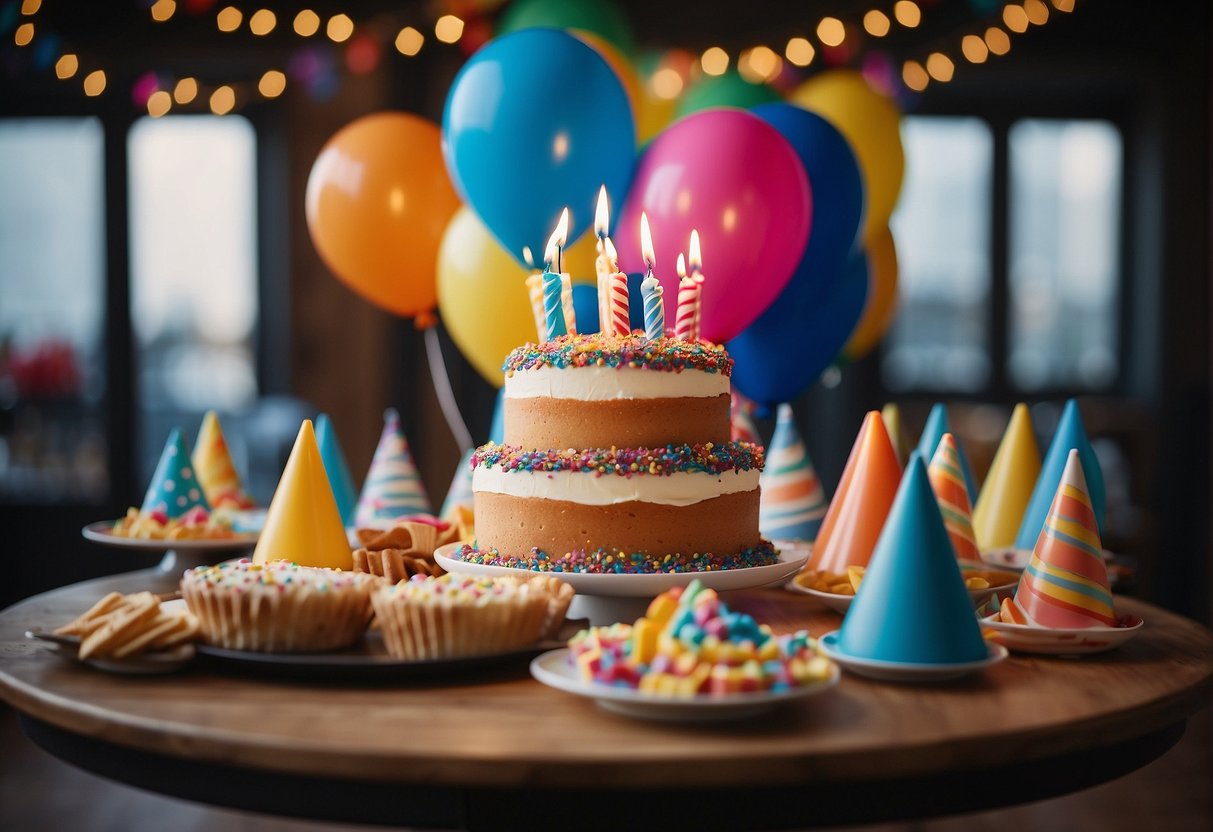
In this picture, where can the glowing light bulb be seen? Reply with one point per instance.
(876, 23)
(799, 51)
(409, 41)
(715, 61)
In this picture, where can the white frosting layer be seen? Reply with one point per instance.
(591, 384)
(681, 489)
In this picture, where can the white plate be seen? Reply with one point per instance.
(101, 532)
(555, 669)
(842, 603)
(143, 664)
(906, 671)
(1050, 641)
(634, 586)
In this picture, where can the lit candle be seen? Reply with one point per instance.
(603, 264)
(688, 298)
(553, 286)
(650, 287)
(617, 321)
(696, 264)
(534, 288)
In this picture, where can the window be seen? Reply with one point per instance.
(52, 307)
(1059, 289)
(193, 270)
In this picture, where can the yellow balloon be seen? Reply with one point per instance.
(653, 114)
(872, 124)
(882, 296)
(579, 258)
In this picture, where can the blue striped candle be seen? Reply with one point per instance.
(553, 305)
(654, 308)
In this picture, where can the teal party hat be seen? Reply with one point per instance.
(460, 492)
(338, 470)
(497, 427)
(1070, 435)
(174, 489)
(937, 425)
(912, 606)
(393, 488)
(792, 502)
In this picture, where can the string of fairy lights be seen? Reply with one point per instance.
(833, 40)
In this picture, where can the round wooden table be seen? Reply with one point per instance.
(501, 750)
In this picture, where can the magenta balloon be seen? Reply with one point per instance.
(735, 178)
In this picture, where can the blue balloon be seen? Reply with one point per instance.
(837, 186)
(585, 305)
(534, 122)
(783, 352)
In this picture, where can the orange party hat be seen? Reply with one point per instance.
(860, 505)
(213, 466)
(891, 414)
(303, 524)
(948, 483)
(1066, 582)
(1008, 486)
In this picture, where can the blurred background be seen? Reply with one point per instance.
(1052, 238)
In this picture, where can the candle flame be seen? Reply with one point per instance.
(682, 266)
(558, 238)
(611, 253)
(526, 255)
(602, 216)
(646, 241)
(695, 257)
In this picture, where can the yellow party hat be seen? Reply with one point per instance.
(214, 469)
(303, 524)
(1008, 486)
(891, 414)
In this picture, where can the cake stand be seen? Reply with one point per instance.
(607, 599)
(177, 555)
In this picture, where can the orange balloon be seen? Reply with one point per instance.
(882, 296)
(378, 200)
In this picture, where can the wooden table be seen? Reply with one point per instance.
(501, 750)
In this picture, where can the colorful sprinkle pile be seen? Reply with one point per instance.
(689, 643)
(707, 458)
(635, 350)
(603, 561)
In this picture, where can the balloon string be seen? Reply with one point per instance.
(444, 391)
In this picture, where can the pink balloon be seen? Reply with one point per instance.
(735, 178)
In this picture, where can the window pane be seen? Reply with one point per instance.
(52, 306)
(938, 340)
(1064, 260)
(193, 269)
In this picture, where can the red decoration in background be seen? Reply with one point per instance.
(363, 54)
(48, 370)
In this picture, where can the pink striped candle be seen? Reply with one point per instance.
(696, 261)
(688, 302)
(620, 324)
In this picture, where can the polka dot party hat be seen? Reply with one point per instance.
(174, 489)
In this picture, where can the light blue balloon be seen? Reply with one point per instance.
(537, 121)
(585, 306)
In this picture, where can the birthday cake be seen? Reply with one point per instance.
(617, 457)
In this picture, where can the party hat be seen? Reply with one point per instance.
(1008, 485)
(912, 605)
(947, 482)
(303, 524)
(891, 414)
(1070, 435)
(393, 488)
(857, 513)
(741, 411)
(792, 502)
(337, 469)
(213, 466)
(460, 492)
(937, 425)
(497, 426)
(1066, 582)
(174, 489)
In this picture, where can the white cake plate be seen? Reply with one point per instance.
(1052, 641)
(606, 599)
(179, 555)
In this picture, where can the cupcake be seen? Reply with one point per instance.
(279, 606)
(454, 616)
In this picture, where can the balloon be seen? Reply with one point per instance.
(882, 297)
(585, 306)
(730, 175)
(836, 182)
(598, 17)
(656, 111)
(534, 122)
(727, 90)
(871, 123)
(620, 65)
(482, 296)
(378, 200)
(785, 350)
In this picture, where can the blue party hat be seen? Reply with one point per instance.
(337, 468)
(1070, 435)
(792, 502)
(174, 489)
(393, 488)
(912, 606)
(497, 427)
(460, 492)
(937, 425)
